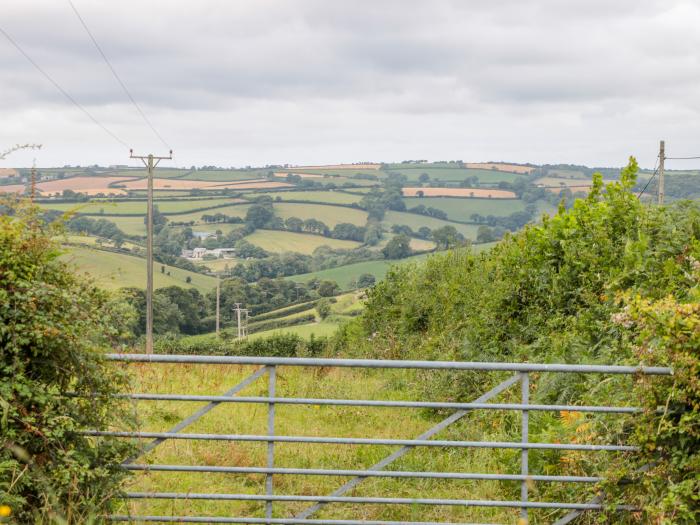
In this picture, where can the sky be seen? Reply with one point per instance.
(258, 82)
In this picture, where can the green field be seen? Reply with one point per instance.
(462, 209)
(330, 197)
(335, 172)
(115, 270)
(164, 173)
(128, 207)
(343, 275)
(227, 175)
(218, 265)
(458, 174)
(330, 215)
(234, 210)
(314, 420)
(415, 221)
(282, 241)
(129, 225)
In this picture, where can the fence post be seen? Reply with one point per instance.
(525, 399)
(271, 381)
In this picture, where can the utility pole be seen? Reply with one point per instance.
(218, 302)
(148, 161)
(33, 182)
(662, 157)
(241, 321)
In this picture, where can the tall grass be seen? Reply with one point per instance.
(238, 418)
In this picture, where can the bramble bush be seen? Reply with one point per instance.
(54, 328)
(557, 292)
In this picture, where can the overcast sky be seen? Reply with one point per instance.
(254, 82)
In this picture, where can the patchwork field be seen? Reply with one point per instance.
(234, 210)
(129, 207)
(329, 197)
(115, 270)
(460, 192)
(88, 185)
(182, 184)
(415, 221)
(283, 241)
(500, 166)
(343, 275)
(330, 215)
(300, 174)
(459, 209)
(456, 174)
(12, 188)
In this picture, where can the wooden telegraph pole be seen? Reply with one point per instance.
(662, 158)
(218, 302)
(150, 162)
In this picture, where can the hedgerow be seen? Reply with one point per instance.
(54, 328)
(556, 292)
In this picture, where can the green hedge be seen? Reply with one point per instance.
(276, 345)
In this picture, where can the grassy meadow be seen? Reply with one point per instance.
(276, 241)
(237, 418)
(116, 270)
(330, 215)
(415, 221)
(461, 209)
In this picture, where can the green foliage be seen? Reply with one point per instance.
(53, 329)
(276, 345)
(398, 247)
(666, 471)
(323, 307)
(550, 294)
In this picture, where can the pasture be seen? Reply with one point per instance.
(344, 275)
(227, 175)
(456, 174)
(415, 221)
(83, 184)
(327, 197)
(477, 193)
(283, 241)
(314, 420)
(115, 270)
(130, 207)
(501, 166)
(459, 209)
(330, 215)
(234, 210)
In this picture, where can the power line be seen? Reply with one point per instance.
(682, 158)
(63, 91)
(117, 77)
(656, 170)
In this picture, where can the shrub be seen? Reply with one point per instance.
(53, 328)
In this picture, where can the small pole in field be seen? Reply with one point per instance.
(662, 158)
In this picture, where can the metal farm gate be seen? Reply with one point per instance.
(269, 366)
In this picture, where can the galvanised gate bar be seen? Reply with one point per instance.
(269, 365)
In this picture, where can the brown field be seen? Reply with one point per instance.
(302, 175)
(341, 167)
(478, 193)
(8, 172)
(513, 168)
(252, 185)
(12, 188)
(87, 185)
(182, 184)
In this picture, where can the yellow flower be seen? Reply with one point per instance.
(5, 511)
